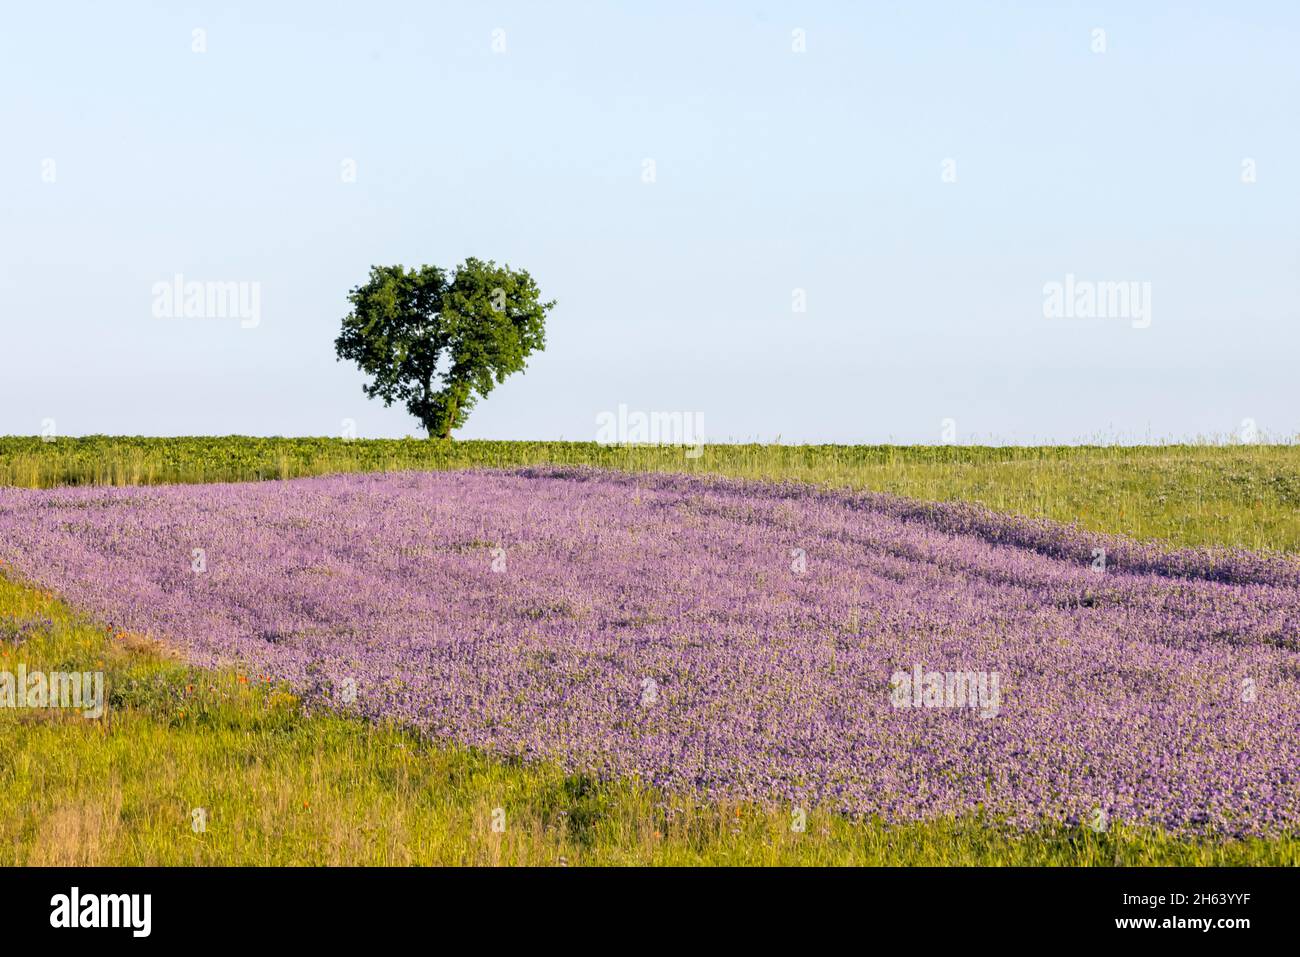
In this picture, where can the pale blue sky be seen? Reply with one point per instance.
(775, 170)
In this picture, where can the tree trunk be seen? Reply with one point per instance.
(428, 389)
(451, 417)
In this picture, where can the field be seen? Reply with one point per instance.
(781, 674)
(1244, 496)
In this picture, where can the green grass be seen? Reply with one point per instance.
(1239, 495)
(281, 786)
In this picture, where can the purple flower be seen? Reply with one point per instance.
(658, 626)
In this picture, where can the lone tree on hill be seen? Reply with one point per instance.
(439, 341)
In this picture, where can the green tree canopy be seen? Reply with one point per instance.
(439, 341)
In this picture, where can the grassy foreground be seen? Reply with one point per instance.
(1237, 495)
(279, 785)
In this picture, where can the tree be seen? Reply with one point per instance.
(439, 341)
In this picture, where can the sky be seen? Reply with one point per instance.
(804, 222)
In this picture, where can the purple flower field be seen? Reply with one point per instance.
(727, 639)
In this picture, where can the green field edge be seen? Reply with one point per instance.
(1225, 495)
